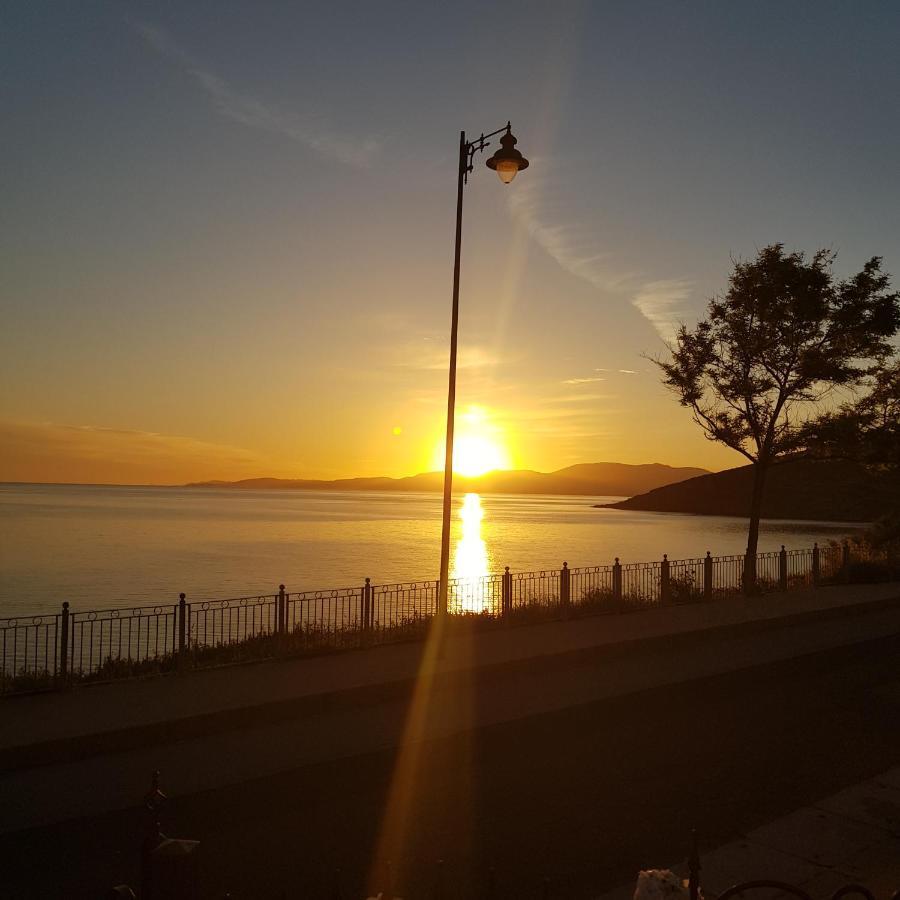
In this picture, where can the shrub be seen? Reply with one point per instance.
(25, 682)
(683, 588)
(597, 599)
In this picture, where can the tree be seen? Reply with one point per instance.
(866, 428)
(760, 370)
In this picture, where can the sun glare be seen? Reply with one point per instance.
(470, 560)
(474, 455)
(478, 445)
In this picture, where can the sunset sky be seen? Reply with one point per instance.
(227, 227)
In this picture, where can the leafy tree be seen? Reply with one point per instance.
(758, 372)
(865, 429)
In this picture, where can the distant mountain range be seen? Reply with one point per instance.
(795, 489)
(588, 479)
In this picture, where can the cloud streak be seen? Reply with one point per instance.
(663, 304)
(574, 248)
(434, 358)
(582, 380)
(307, 129)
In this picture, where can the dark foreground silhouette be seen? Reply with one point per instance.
(585, 796)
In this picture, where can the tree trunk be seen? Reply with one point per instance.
(760, 468)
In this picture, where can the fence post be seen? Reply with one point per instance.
(617, 581)
(782, 569)
(367, 616)
(564, 584)
(281, 612)
(708, 576)
(64, 642)
(506, 593)
(845, 562)
(182, 619)
(815, 564)
(664, 583)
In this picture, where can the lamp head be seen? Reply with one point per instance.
(507, 162)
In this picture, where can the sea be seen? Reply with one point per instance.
(102, 547)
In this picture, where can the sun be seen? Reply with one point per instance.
(478, 445)
(474, 455)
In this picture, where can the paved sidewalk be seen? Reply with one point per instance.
(94, 713)
(850, 837)
(486, 679)
(585, 794)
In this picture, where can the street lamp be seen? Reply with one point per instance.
(506, 162)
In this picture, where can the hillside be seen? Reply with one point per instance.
(798, 489)
(591, 479)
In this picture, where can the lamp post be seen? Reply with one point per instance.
(506, 162)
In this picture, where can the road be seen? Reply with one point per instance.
(583, 796)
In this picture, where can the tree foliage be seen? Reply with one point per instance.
(785, 335)
(760, 372)
(866, 428)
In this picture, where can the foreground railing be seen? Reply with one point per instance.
(44, 651)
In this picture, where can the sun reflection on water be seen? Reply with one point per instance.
(471, 561)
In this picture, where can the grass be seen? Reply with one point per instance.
(24, 682)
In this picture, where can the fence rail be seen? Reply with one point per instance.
(45, 651)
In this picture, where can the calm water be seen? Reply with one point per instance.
(108, 546)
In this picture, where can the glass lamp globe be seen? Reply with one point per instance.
(507, 162)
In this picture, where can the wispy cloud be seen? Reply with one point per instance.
(582, 380)
(663, 304)
(431, 357)
(306, 128)
(574, 247)
(576, 398)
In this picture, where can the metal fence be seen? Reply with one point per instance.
(44, 651)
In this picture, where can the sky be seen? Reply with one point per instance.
(227, 228)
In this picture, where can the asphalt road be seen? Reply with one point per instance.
(583, 797)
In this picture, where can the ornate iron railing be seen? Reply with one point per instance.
(43, 651)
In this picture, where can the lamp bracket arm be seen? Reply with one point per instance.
(478, 146)
(481, 142)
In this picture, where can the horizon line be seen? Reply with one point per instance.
(456, 477)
